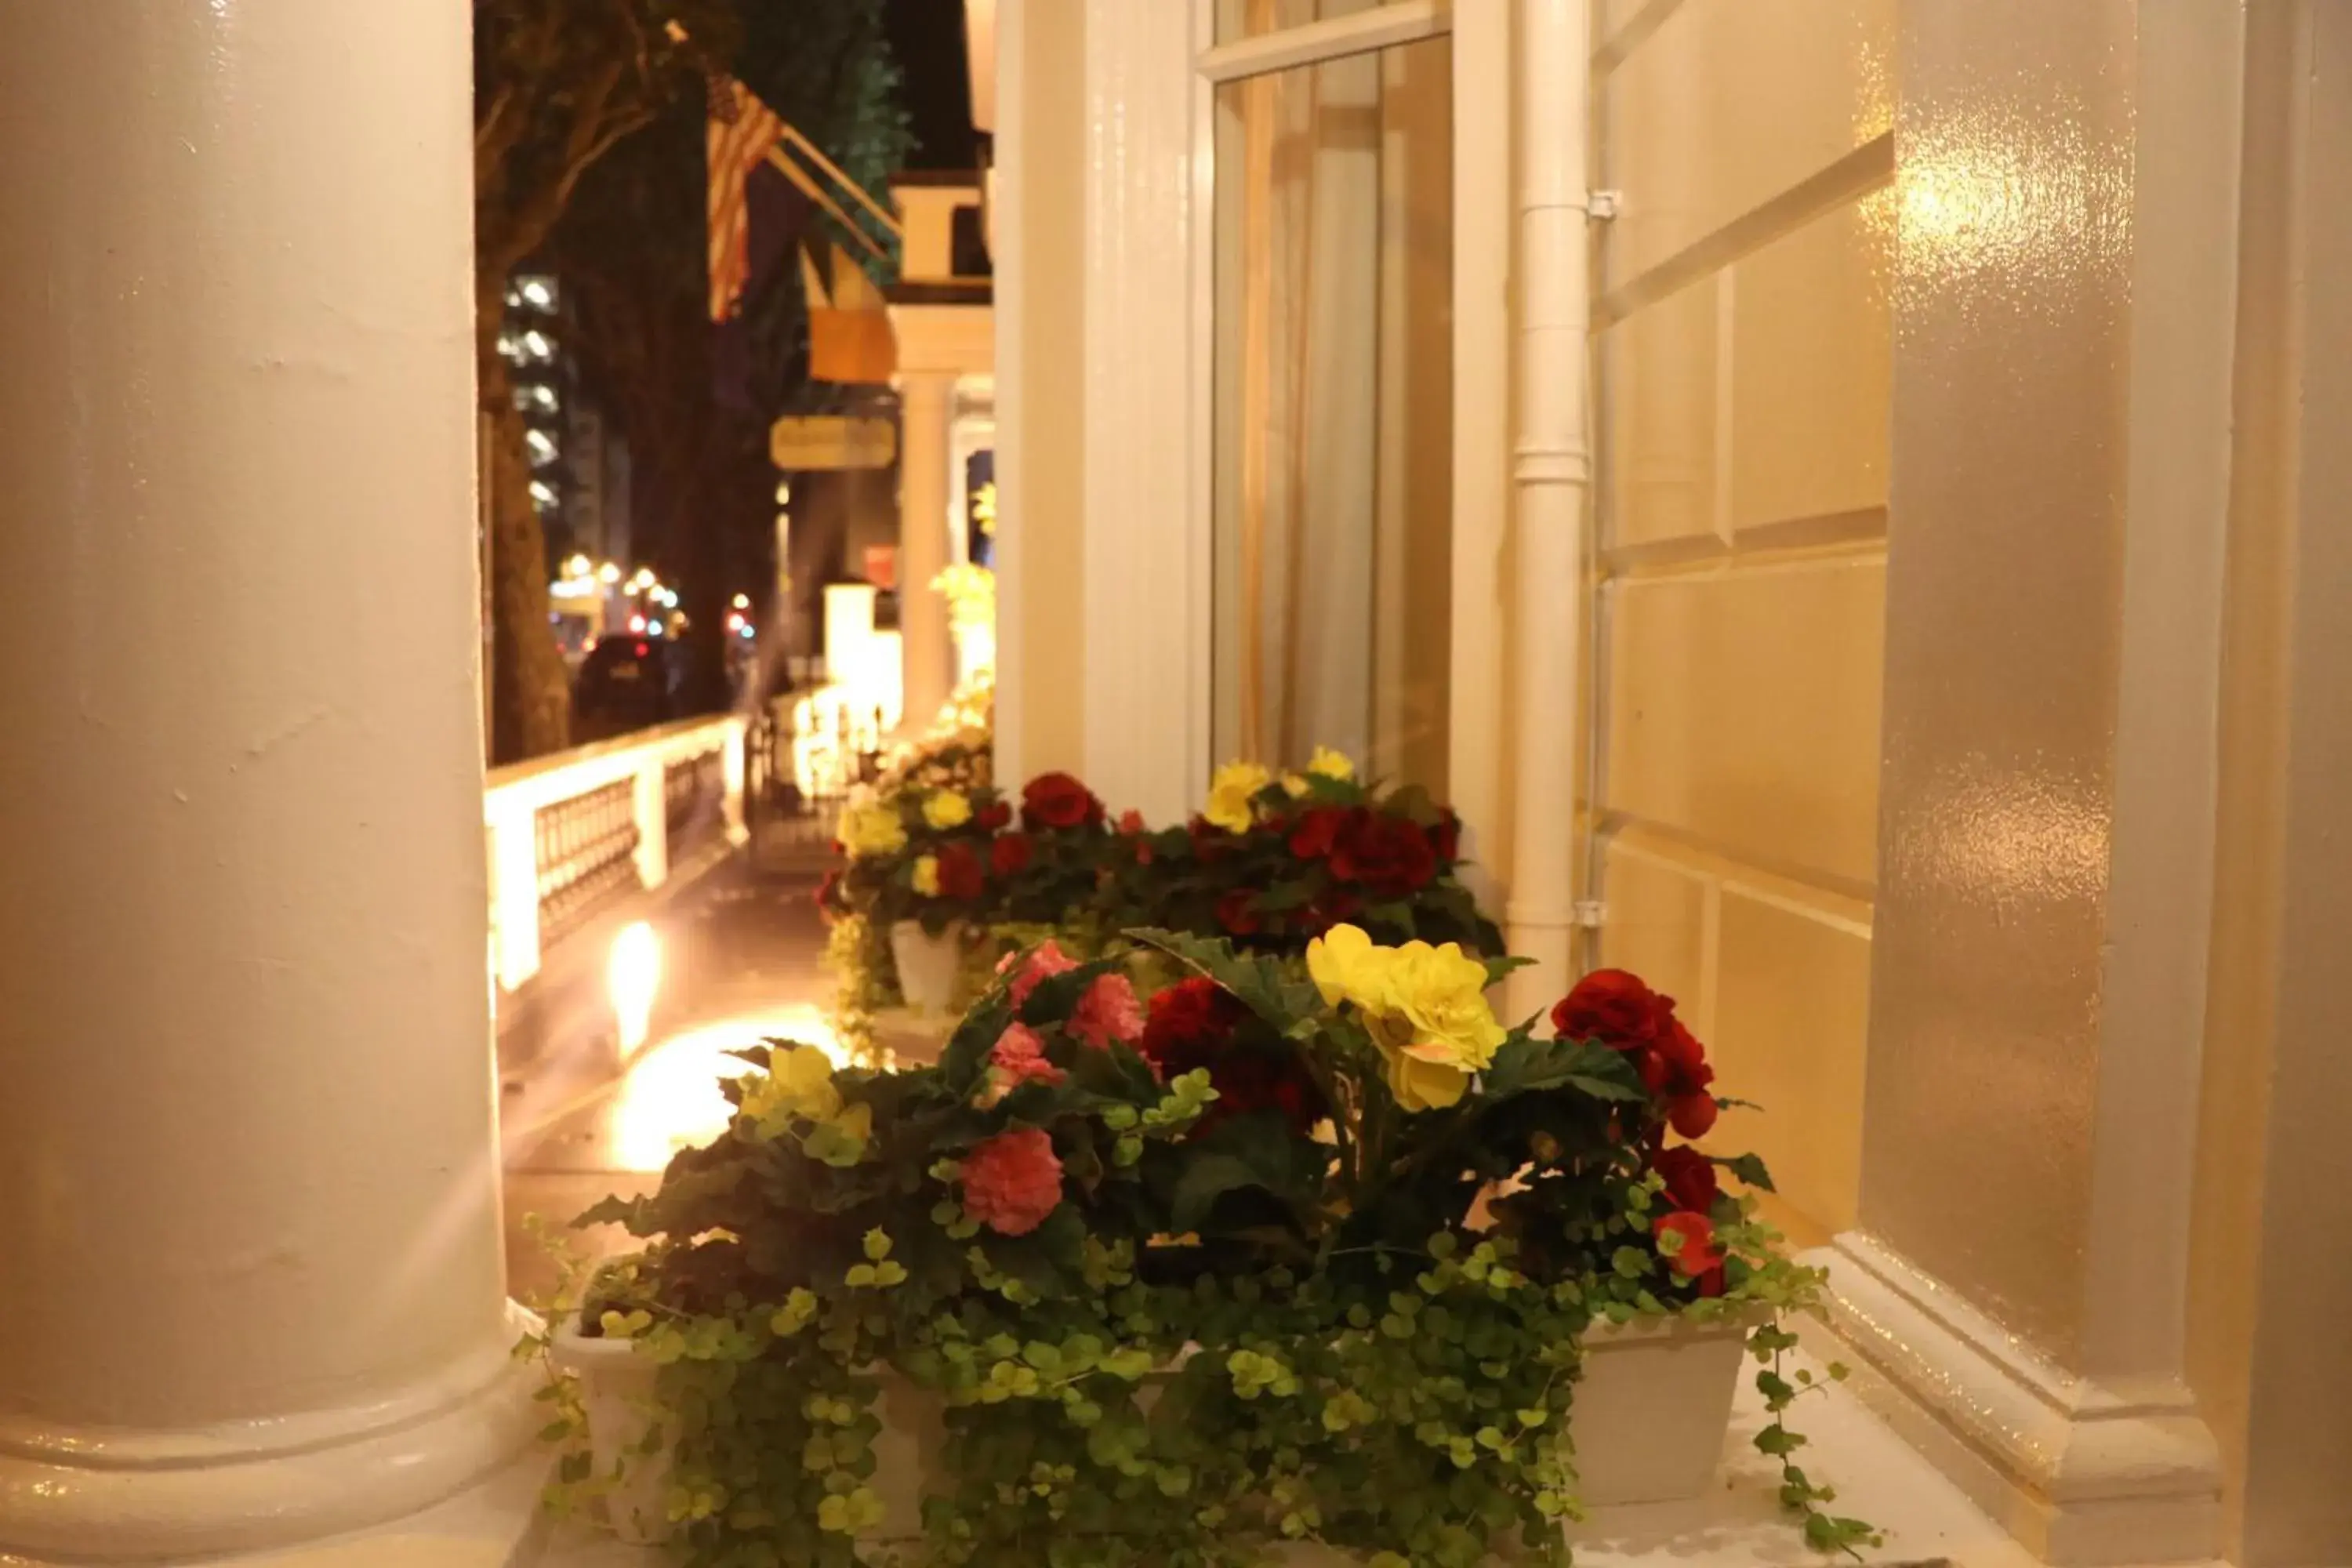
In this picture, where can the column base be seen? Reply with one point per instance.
(115, 1497)
(2085, 1474)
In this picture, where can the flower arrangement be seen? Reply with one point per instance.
(1277, 858)
(883, 834)
(1268, 1257)
(1274, 860)
(920, 853)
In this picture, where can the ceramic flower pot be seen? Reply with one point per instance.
(1653, 1407)
(617, 1390)
(927, 963)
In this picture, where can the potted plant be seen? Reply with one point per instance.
(917, 868)
(1277, 858)
(1318, 1253)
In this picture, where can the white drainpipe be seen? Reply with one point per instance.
(1552, 471)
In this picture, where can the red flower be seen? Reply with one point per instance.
(1108, 1011)
(992, 816)
(1692, 1115)
(1318, 833)
(1019, 1055)
(1012, 1182)
(1192, 1026)
(1446, 836)
(1130, 821)
(1209, 840)
(1656, 1074)
(1690, 1179)
(1237, 912)
(961, 875)
(1038, 963)
(1333, 908)
(1614, 1008)
(1058, 800)
(828, 893)
(1192, 1018)
(1685, 1057)
(1389, 855)
(1009, 852)
(1699, 1254)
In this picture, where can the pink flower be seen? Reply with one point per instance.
(1108, 1011)
(1040, 963)
(1019, 1055)
(1012, 1182)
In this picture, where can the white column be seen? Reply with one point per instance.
(1552, 469)
(248, 1191)
(924, 648)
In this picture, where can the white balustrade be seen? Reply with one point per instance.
(571, 833)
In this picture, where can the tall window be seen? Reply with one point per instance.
(1333, 394)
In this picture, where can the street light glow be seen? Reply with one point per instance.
(632, 977)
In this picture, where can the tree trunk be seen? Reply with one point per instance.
(530, 690)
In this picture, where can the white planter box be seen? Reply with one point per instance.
(1648, 1424)
(616, 1389)
(1652, 1408)
(927, 963)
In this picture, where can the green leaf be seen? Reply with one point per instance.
(1749, 1169)
(1524, 1064)
(1206, 1179)
(1265, 985)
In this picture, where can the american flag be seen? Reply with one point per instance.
(739, 131)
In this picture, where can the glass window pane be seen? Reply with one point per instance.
(1251, 18)
(1333, 411)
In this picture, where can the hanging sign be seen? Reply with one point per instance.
(831, 441)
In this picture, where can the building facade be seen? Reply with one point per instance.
(1826, 489)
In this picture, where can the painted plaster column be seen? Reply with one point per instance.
(2064, 298)
(926, 399)
(249, 1190)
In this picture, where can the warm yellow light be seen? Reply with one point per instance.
(671, 1099)
(577, 566)
(632, 978)
(608, 573)
(742, 601)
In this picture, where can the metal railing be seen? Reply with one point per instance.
(574, 834)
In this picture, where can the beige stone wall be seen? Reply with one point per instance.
(1745, 353)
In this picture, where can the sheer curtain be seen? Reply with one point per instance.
(1333, 399)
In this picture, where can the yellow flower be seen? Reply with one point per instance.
(1424, 1086)
(1295, 784)
(870, 829)
(1347, 967)
(1425, 1008)
(798, 1083)
(798, 1086)
(947, 809)
(927, 876)
(1231, 791)
(1330, 765)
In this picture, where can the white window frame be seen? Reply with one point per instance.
(1153, 73)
